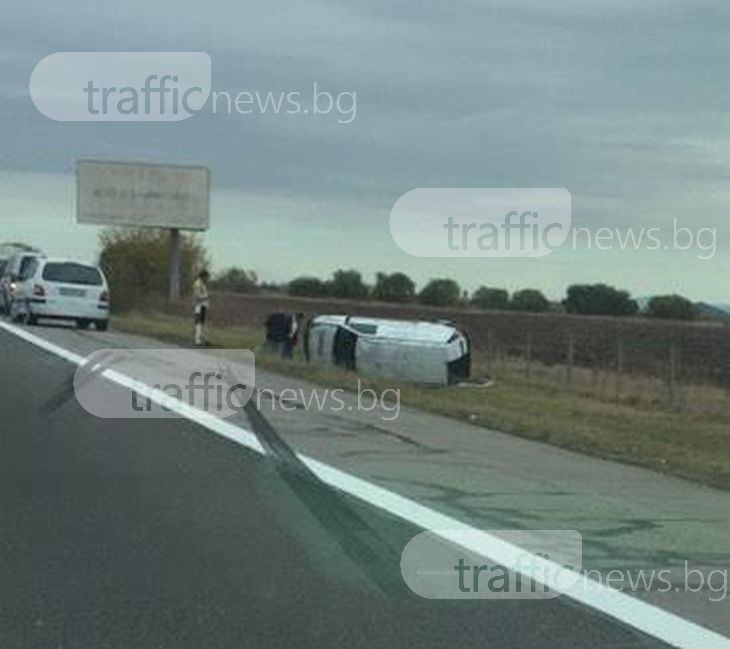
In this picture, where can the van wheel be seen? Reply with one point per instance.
(102, 325)
(82, 324)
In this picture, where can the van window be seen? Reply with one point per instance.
(28, 268)
(364, 328)
(71, 273)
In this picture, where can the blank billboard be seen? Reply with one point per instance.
(142, 194)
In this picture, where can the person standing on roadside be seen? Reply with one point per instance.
(202, 303)
(295, 324)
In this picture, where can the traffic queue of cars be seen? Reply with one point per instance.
(34, 287)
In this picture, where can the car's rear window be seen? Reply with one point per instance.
(70, 273)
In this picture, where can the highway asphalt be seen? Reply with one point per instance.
(157, 533)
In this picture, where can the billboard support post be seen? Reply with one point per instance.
(175, 254)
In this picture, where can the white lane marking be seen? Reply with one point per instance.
(209, 421)
(43, 344)
(647, 618)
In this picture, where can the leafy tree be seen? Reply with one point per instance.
(307, 287)
(674, 307)
(490, 298)
(236, 280)
(347, 284)
(599, 299)
(440, 292)
(136, 263)
(530, 300)
(397, 287)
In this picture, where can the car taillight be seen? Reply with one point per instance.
(104, 297)
(38, 291)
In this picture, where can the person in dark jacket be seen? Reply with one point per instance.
(282, 332)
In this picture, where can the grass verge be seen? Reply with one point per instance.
(692, 444)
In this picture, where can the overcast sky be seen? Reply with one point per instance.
(624, 103)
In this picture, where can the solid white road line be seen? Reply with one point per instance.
(647, 618)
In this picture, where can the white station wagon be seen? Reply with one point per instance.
(61, 289)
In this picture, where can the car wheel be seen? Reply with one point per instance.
(30, 319)
(102, 325)
(82, 324)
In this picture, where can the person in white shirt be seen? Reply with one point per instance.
(296, 323)
(202, 303)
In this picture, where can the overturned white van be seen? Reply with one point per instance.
(436, 353)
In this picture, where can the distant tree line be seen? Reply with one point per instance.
(581, 299)
(236, 280)
(136, 262)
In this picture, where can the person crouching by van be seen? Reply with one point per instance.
(282, 332)
(202, 304)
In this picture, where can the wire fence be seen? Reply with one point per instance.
(627, 367)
